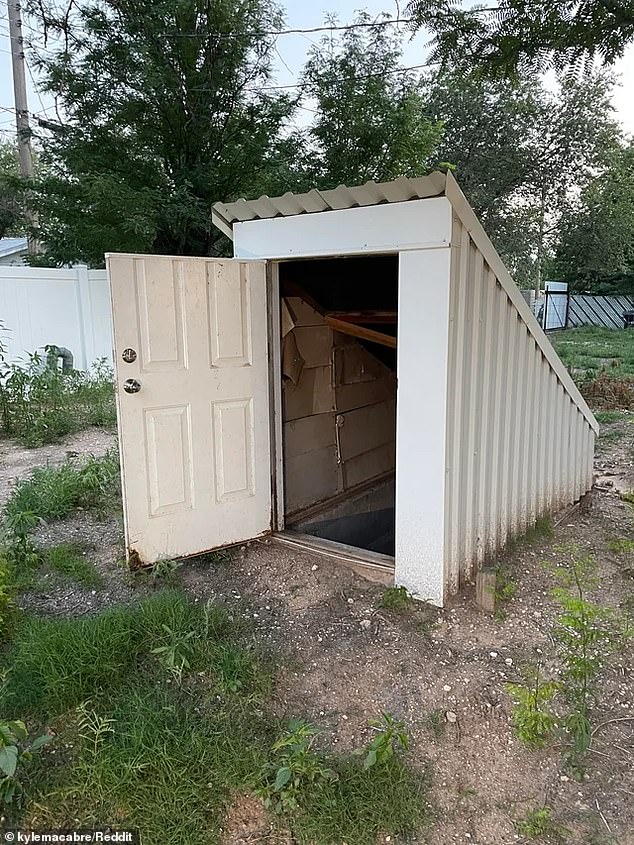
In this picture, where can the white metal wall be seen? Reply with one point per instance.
(520, 440)
(68, 307)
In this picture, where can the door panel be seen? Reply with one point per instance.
(195, 447)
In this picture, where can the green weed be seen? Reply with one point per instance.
(68, 560)
(532, 717)
(390, 736)
(628, 497)
(15, 751)
(54, 492)
(621, 546)
(436, 722)
(608, 417)
(166, 758)
(539, 823)
(398, 600)
(165, 570)
(294, 768)
(585, 634)
(39, 403)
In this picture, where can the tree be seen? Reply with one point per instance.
(521, 154)
(516, 35)
(12, 220)
(164, 111)
(595, 249)
(370, 121)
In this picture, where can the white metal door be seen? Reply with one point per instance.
(191, 335)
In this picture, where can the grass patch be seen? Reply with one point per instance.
(68, 560)
(628, 497)
(609, 417)
(54, 492)
(144, 747)
(398, 600)
(539, 824)
(588, 350)
(621, 546)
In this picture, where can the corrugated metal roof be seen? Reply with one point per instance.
(289, 204)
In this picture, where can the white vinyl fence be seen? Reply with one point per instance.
(66, 307)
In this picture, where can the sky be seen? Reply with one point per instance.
(291, 54)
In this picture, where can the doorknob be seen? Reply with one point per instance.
(131, 385)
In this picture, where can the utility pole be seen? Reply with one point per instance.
(20, 99)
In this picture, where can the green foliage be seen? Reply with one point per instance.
(370, 120)
(167, 757)
(399, 600)
(595, 249)
(326, 800)
(12, 218)
(6, 592)
(293, 769)
(59, 664)
(539, 823)
(533, 720)
(512, 36)
(15, 751)
(165, 110)
(175, 653)
(68, 560)
(390, 736)
(165, 570)
(589, 351)
(517, 149)
(54, 492)
(437, 722)
(621, 546)
(585, 635)
(41, 403)
(94, 729)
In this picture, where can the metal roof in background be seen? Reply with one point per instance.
(288, 205)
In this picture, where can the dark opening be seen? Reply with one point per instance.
(339, 398)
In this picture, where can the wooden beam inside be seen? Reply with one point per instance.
(365, 317)
(361, 332)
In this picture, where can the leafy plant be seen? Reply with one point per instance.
(15, 750)
(40, 403)
(534, 722)
(175, 654)
(293, 769)
(165, 570)
(54, 492)
(390, 736)
(585, 635)
(93, 728)
(398, 599)
(539, 823)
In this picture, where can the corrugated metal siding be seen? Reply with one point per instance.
(518, 446)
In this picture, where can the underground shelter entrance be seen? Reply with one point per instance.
(338, 320)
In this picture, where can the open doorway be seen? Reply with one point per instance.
(338, 319)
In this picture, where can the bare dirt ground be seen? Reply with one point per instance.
(344, 660)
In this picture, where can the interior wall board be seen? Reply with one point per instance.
(367, 428)
(369, 465)
(312, 395)
(311, 477)
(307, 434)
